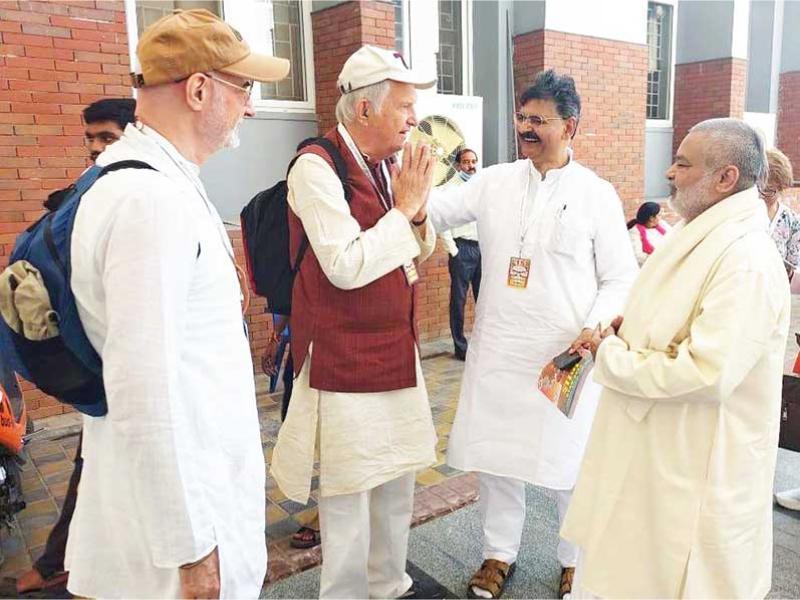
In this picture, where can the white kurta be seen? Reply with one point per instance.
(176, 467)
(674, 497)
(582, 267)
(365, 439)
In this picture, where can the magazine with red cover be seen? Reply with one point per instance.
(563, 387)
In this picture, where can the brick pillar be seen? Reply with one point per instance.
(708, 89)
(610, 77)
(338, 32)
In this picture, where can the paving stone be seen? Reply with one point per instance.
(292, 507)
(281, 529)
(275, 513)
(61, 466)
(49, 458)
(38, 508)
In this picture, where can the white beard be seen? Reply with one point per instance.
(693, 201)
(233, 140)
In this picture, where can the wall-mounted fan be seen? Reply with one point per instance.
(445, 139)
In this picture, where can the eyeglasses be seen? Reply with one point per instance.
(768, 193)
(534, 120)
(246, 87)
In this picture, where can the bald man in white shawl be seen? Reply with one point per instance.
(674, 497)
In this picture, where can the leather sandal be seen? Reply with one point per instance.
(305, 537)
(567, 575)
(491, 578)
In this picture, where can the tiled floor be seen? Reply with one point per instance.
(440, 489)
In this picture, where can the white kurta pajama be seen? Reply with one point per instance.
(176, 467)
(370, 444)
(674, 497)
(582, 266)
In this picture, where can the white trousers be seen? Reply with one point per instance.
(365, 541)
(502, 506)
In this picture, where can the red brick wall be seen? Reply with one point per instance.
(788, 126)
(55, 57)
(610, 77)
(705, 90)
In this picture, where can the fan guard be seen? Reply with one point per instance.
(446, 140)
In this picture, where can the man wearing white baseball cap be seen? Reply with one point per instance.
(354, 336)
(172, 495)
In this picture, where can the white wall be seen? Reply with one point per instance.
(621, 20)
(765, 123)
(741, 26)
(657, 159)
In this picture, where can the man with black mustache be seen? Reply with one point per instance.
(556, 262)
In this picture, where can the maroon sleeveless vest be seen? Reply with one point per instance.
(364, 339)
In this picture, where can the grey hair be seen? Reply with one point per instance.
(375, 94)
(734, 142)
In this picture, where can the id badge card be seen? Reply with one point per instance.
(519, 269)
(410, 270)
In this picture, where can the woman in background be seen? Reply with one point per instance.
(647, 230)
(784, 224)
(784, 227)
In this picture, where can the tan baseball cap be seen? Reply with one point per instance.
(369, 65)
(195, 41)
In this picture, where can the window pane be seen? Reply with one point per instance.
(449, 59)
(399, 25)
(659, 59)
(150, 11)
(287, 42)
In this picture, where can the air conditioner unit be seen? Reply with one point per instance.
(449, 123)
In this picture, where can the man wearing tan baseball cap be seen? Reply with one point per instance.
(172, 495)
(198, 41)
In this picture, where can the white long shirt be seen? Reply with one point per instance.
(176, 467)
(365, 439)
(582, 266)
(674, 498)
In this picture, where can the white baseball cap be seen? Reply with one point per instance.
(369, 65)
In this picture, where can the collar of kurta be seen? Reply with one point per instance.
(142, 131)
(553, 174)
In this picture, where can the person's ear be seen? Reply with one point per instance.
(727, 180)
(196, 91)
(571, 127)
(362, 111)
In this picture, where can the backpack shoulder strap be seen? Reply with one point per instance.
(331, 150)
(124, 164)
(341, 172)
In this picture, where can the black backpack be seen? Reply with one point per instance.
(265, 235)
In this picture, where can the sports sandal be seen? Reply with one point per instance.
(490, 578)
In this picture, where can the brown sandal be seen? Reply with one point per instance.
(491, 577)
(567, 575)
(305, 537)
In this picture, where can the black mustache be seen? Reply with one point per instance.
(529, 136)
